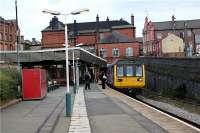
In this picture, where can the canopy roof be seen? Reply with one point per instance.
(51, 55)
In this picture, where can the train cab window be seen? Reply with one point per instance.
(129, 70)
(120, 71)
(138, 70)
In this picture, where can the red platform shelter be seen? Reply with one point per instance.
(34, 84)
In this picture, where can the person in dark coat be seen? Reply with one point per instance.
(87, 80)
(104, 78)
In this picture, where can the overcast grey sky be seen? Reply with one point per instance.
(32, 20)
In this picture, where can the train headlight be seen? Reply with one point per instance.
(119, 80)
(140, 79)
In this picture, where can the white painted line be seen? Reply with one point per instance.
(79, 119)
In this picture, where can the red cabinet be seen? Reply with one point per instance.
(34, 84)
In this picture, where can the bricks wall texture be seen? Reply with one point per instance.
(86, 39)
(53, 39)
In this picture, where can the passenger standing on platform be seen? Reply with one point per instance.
(97, 77)
(104, 78)
(87, 80)
(100, 76)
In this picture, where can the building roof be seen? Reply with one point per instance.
(181, 24)
(1, 19)
(139, 39)
(115, 37)
(56, 25)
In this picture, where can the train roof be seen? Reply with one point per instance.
(125, 61)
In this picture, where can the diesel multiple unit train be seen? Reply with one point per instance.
(126, 75)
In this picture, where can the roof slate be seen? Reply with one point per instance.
(87, 25)
(115, 37)
(182, 24)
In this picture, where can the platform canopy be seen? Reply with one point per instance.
(57, 54)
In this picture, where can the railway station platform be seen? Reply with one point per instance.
(95, 111)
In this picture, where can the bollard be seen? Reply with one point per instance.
(74, 89)
(68, 105)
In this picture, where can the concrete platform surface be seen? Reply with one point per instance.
(34, 116)
(93, 112)
(110, 115)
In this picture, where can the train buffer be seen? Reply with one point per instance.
(94, 111)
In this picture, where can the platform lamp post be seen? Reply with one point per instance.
(17, 48)
(68, 94)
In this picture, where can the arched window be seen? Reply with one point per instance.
(129, 51)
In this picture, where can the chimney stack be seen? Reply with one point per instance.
(173, 18)
(54, 23)
(33, 40)
(97, 18)
(132, 19)
(107, 18)
(21, 39)
(146, 19)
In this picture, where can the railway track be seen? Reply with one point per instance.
(167, 121)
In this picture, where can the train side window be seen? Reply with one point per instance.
(129, 70)
(138, 70)
(120, 71)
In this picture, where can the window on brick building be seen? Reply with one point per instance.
(1, 36)
(182, 35)
(103, 52)
(197, 38)
(71, 40)
(115, 52)
(11, 38)
(6, 37)
(101, 36)
(189, 33)
(159, 36)
(129, 51)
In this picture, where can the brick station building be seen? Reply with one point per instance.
(155, 32)
(98, 36)
(7, 34)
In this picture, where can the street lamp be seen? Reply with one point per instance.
(68, 94)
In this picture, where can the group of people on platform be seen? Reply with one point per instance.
(89, 77)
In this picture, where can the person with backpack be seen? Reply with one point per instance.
(87, 80)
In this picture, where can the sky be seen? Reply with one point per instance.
(32, 21)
